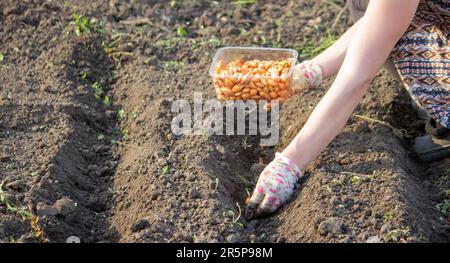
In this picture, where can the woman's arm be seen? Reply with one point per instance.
(383, 24)
(331, 59)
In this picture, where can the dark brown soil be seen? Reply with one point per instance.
(116, 173)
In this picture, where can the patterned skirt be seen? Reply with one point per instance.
(422, 58)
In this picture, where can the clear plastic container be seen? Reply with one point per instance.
(269, 85)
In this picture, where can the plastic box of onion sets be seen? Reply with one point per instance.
(253, 73)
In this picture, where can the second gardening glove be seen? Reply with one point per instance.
(306, 75)
(275, 185)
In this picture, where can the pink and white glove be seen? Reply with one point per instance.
(275, 185)
(306, 75)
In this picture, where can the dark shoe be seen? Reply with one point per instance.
(433, 147)
(436, 130)
(420, 112)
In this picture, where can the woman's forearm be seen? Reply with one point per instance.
(327, 119)
(331, 59)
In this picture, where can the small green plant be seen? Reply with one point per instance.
(328, 188)
(98, 94)
(443, 207)
(228, 214)
(404, 134)
(394, 235)
(355, 179)
(244, 2)
(1, 58)
(166, 170)
(217, 183)
(84, 76)
(216, 42)
(173, 4)
(11, 207)
(245, 33)
(441, 182)
(263, 236)
(244, 181)
(22, 213)
(387, 216)
(337, 182)
(82, 24)
(97, 90)
(50, 65)
(121, 114)
(110, 45)
(310, 49)
(125, 133)
(10, 167)
(100, 136)
(182, 31)
(106, 101)
(172, 64)
(134, 113)
(168, 43)
(278, 28)
(35, 174)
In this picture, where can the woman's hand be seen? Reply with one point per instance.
(306, 75)
(275, 185)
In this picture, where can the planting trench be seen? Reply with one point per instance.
(115, 172)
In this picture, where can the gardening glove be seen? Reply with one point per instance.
(306, 75)
(275, 185)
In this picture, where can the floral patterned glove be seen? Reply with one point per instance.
(306, 75)
(275, 185)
